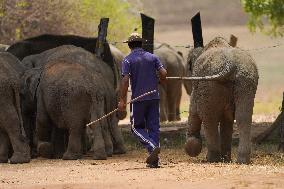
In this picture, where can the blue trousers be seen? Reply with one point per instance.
(145, 123)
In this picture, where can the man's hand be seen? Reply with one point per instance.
(123, 93)
(121, 105)
(163, 75)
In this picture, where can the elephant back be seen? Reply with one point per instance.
(13, 62)
(71, 54)
(41, 43)
(212, 61)
(172, 61)
(8, 69)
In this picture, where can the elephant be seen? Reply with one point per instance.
(72, 54)
(171, 91)
(26, 49)
(13, 143)
(224, 81)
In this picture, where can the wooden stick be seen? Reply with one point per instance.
(202, 78)
(133, 100)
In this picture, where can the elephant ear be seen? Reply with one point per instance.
(30, 82)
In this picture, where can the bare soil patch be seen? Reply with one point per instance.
(129, 171)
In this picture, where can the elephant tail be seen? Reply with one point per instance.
(227, 71)
(17, 105)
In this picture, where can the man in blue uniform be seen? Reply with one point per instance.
(141, 67)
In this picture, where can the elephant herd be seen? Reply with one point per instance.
(52, 86)
(57, 86)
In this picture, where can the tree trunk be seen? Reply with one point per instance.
(277, 124)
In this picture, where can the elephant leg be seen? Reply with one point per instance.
(84, 142)
(213, 140)
(74, 149)
(58, 141)
(193, 145)
(96, 132)
(178, 100)
(244, 110)
(226, 131)
(171, 109)
(163, 104)
(194, 125)
(107, 139)
(98, 143)
(18, 141)
(44, 132)
(173, 92)
(29, 120)
(4, 147)
(117, 138)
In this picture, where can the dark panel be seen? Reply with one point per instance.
(102, 33)
(197, 30)
(148, 32)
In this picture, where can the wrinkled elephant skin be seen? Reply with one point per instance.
(217, 102)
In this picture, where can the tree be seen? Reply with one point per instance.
(21, 19)
(266, 15)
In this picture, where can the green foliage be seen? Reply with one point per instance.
(122, 20)
(21, 19)
(266, 15)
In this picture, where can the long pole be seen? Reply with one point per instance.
(133, 100)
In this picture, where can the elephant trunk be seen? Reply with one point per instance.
(228, 70)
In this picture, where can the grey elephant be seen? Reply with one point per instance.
(112, 134)
(13, 144)
(171, 91)
(225, 81)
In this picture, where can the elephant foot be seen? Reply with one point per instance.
(109, 152)
(4, 159)
(226, 158)
(34, 153)
(193, 146)
(20, 158)
(45, 149)
(243, 159)
(213, 157)
(119, 149)
(100, 154)
(71, 156)
(58, 156)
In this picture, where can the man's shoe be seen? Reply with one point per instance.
(153, 157)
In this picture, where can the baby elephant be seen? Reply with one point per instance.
(224, 85)
(13, 144)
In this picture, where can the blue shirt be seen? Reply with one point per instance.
(142, 67)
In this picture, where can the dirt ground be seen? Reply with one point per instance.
(177, 169)
(129, 171)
